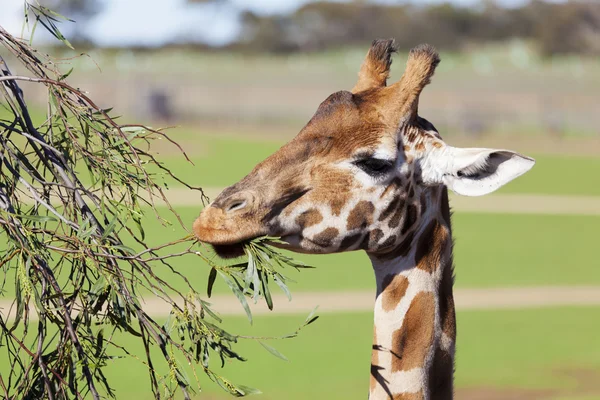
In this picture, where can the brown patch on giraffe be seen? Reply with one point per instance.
(409, 219)
(446, 299)
(325, 238)
(437, 144)
(309, 218)
(412, 135)
(393, 290)
(420, 147)
(412, 341)
(401, 250)
(410, 396)
(393, 206)
(441, 375)
(431, 246)
(397, 217)
(361, 215)
(372, 239)
(334, 188)
(349, 241)
(395, 184)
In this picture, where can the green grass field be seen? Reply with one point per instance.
(551, 348)
(530, 349)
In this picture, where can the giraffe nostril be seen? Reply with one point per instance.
(237, 205)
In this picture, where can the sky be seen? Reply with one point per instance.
(155, 22)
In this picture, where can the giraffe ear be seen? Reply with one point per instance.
(475, 172)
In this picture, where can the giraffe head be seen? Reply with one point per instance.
(360, 174)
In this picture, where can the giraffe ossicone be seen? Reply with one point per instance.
(368, 173)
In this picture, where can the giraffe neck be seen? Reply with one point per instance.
(415, 325)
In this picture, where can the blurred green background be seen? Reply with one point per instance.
(524, 77)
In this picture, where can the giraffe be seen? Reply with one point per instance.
(368, 173)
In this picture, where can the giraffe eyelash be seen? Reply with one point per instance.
(375, 167)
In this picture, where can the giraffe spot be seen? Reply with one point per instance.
(395, 184)
(412, 134)
(337, 204)
(374, 237)
(446, 301)
(349, 241)
(437, 144)
(395, 219)
(393, 290)
(361, 215)
(401, 250)
(410, 396)
(409, 219)
(332, 187)
(431, 246)
(325, 238)
(411, 343)
(420, 147)
(441, 375)
(393, 206)
(309, 218)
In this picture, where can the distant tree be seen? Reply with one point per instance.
(557, 27)
(573, 27)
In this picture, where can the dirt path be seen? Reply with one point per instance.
(357, 301)
(496, 203)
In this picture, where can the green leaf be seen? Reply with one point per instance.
(246, 390)
(283, 287)
(124, 248)
(311, 318)
(65, 75)
(211, 281)
(238, 293)
(266, 291)
(38, 218)
(99, 342)
(110, 227)
(273, 351)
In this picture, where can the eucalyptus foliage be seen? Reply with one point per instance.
(74, 191)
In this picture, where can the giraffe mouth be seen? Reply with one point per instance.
(235, 250)
(228, 251)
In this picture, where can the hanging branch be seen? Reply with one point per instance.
(69, 247)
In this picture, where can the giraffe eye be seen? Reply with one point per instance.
(375, 167)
